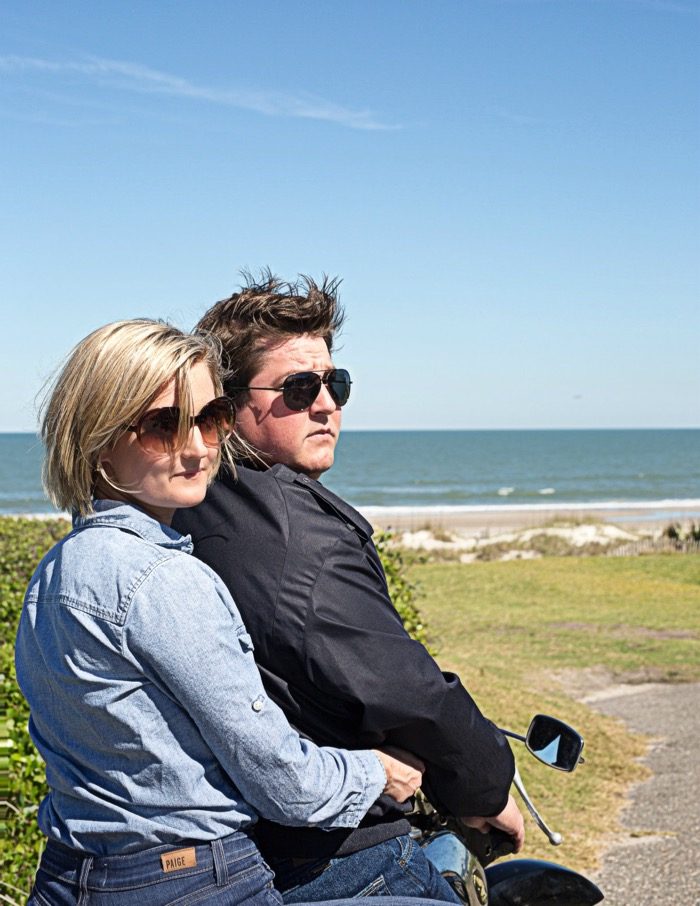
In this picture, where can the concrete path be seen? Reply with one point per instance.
(657, 862)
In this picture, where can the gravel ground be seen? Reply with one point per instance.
(657, 861)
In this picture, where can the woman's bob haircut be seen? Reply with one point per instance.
(107, 382)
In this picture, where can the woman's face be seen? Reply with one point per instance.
(161, 483)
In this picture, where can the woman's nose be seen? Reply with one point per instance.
(194, 446)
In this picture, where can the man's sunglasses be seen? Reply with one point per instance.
(301, 389)
(158, 430)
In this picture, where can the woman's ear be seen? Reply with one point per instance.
(104, 467)
(104, 459)
(105, 478)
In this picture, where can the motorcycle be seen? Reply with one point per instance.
(464, 856)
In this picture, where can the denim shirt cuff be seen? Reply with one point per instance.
(375, 782)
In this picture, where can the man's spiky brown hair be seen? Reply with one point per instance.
(266, 310)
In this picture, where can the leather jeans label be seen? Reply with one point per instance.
(178, 859)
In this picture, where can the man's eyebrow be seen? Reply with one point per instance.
(278, 381)
(274, 382)
(281, 376)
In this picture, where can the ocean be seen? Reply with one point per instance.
(469, 470)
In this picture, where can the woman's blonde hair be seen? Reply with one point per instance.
(107, 382)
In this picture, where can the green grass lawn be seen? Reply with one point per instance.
(513, 630)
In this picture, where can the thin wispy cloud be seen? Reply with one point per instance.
(135, 77)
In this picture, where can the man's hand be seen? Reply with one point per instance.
(509, 820)
(404, 772)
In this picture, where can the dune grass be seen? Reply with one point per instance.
(516, 630)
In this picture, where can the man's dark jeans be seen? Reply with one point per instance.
(397, 867)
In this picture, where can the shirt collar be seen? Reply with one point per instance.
(129, 518)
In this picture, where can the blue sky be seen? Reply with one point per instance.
(509, 189)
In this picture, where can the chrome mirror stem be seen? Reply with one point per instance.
(554, 838)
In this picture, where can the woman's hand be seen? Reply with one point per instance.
(509, 820)
(404, 772)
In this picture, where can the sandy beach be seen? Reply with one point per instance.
(469, 534)
(645, 517)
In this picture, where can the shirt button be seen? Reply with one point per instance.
(258, 703)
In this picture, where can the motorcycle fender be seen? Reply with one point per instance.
(530, 882)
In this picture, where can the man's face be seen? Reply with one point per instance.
(304, 441)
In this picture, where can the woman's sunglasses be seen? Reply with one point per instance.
(301, 389)
(158, 430)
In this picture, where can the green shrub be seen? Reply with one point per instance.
(23, 542)
(403, 592)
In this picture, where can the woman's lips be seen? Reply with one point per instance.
(190, 473)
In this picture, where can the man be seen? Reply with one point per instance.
(302, 567)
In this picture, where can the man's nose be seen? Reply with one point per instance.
(324, 402)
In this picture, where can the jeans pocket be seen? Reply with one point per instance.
(407, 848)
(378, 888)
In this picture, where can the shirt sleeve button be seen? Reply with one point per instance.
(258, 703)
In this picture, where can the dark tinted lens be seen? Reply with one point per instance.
(216, 421)
(339, 383)
(300, 390)
(157, 430)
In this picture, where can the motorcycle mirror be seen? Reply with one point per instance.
(554, 743)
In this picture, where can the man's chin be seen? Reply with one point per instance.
(317, 456)
(314, 468)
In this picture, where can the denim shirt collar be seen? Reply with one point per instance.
(128, 518)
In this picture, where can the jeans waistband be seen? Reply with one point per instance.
(149, 865)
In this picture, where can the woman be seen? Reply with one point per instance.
(160, 744)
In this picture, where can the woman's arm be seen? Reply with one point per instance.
(186, 636)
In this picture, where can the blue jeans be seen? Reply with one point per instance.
(397, 868)
(229, 871)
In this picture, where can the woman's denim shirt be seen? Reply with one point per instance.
(147, 706)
